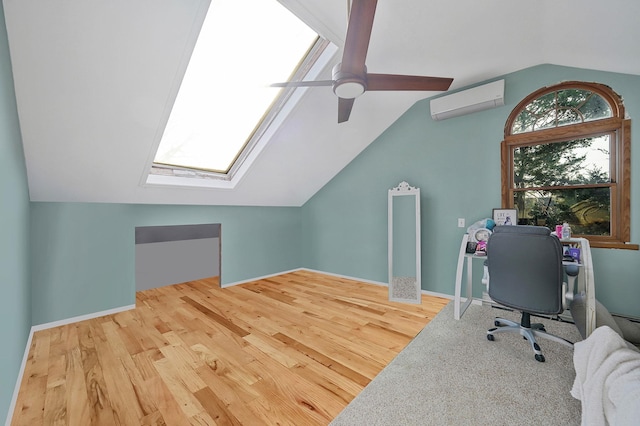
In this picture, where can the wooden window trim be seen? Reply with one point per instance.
(621, 169)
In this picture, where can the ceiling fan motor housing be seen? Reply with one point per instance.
(347, 85)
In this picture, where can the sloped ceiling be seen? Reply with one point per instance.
(95, 81)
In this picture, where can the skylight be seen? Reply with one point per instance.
(243, 47)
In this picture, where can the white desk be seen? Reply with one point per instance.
(460, 307)
(585, 279)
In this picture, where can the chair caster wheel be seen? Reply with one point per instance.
(490, 337)
(496, 323)
(540, 357)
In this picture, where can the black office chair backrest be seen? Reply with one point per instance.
(525, 269)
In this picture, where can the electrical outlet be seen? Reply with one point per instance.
(461, 222)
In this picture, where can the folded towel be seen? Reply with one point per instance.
(607, 379)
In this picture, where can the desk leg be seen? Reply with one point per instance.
(458, 285)
(586, 285)
(469, 278)
(463, 306)
(590, 290)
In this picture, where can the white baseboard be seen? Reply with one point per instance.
(16, 389)
(429, 293)
(346, 277)
(82, 318)
(45, 326)
(364, 280)
(259, 278)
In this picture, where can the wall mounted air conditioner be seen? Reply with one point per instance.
(478, 98)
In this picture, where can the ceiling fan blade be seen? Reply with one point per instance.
(356, 42)
(407, 82)
(308, 83)
(344, 109)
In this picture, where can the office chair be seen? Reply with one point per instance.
(526, 273)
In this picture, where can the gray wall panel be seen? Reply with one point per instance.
(156, 234)
(172, 262)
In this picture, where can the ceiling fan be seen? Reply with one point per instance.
(350, 78)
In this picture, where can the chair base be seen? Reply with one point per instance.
(529, 332)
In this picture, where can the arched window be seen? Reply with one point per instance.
(566, 158)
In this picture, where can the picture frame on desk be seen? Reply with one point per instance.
(505, 216)
(471, 247)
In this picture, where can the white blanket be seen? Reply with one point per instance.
(607, 379)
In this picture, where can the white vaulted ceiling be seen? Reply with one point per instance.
(95, 81)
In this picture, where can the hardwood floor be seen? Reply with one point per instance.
(293, 349)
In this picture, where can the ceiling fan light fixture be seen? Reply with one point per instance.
(348, 85)
(349, 89)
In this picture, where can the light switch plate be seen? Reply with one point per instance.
(461, 222)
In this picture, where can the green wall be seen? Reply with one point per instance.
(83, 255)
(456, 164)
(15, 303)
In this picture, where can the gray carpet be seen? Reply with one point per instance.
(450, 374)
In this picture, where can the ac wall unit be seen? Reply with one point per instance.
(476, 99)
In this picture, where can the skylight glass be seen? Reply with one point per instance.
(243, 47)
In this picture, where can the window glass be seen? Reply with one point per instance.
(242, 48)
(595, 108)
(587, 210)
(574, 162)
(561, 108)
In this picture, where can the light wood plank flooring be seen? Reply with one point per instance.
(289, 350)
